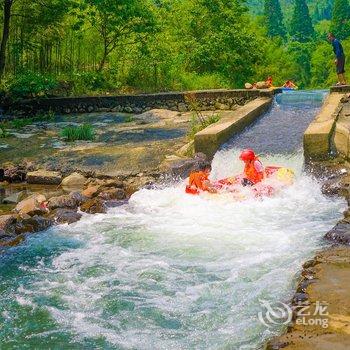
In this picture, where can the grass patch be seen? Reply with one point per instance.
(129, 119)
(74, 133)
(197, 125)
(3, 132)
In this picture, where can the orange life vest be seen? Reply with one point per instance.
(196, 182)
(251, 173)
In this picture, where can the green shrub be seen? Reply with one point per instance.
(3, 132)
(83, 132)
(197, 125)
(31, 84)
(20, 123)
(129, 119)
(91, 82)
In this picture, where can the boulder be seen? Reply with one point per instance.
(65, 216)
(91, 191)
(94, 206)
(113, 194)
(183, 167)
(248, 86)
(74, 180)
(262, 85)
(44, 177)
(6, 221)
(72, 200)
(32, 224)
(14, 198)
(340, 233)
(17, 225)
(134, 184)
(13, 174)
(34, 204)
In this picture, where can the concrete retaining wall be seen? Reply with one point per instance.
(318, 138)
(177, 101)
(210, 139)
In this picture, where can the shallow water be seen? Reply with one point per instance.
(166, 270)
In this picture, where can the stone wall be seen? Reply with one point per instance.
(176, 101)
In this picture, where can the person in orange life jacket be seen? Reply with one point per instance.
(269, 81)
(199, 180)
(253, 170)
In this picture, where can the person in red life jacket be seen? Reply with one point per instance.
(289, 85)
(199, 180)
(269, 82)
(253, 170)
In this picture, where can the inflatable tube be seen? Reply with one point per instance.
(280, 177)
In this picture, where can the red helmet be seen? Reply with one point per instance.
(247, 154)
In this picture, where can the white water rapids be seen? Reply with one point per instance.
(167, 270)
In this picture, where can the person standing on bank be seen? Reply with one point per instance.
(340, 58)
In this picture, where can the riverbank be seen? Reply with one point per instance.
(324, 280)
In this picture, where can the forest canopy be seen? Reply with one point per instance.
(106, 46)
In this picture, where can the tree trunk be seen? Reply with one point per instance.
(5, 35)
(103, 61)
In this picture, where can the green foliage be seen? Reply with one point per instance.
(220, 41)
(3, 131)
(83, 132)
(301, 28)
(117, 20)
(196, 125)
(274, 18)
(30, 84)
(340, 24)
(129, 119)
(78, 47)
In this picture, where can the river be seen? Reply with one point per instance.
(171, 271)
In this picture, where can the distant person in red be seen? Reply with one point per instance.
(199, 180)
(269, 82)
(253, 169)
(340, 58)
(289, 85)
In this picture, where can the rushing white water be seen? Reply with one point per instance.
(166, 270)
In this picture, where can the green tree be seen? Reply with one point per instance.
(7, 7)
(222, 41)
(274, 17)
(340, 25)
(301, 28)
(119, 22)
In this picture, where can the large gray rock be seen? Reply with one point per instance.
(183, 167)
(17, 225)
(72, 200)
(44, 177)
(14, 198)
(13, 174)
(340, 233)
(65, 216)
(6, 221)
(94, 206)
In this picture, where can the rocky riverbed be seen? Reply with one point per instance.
(324, 280)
